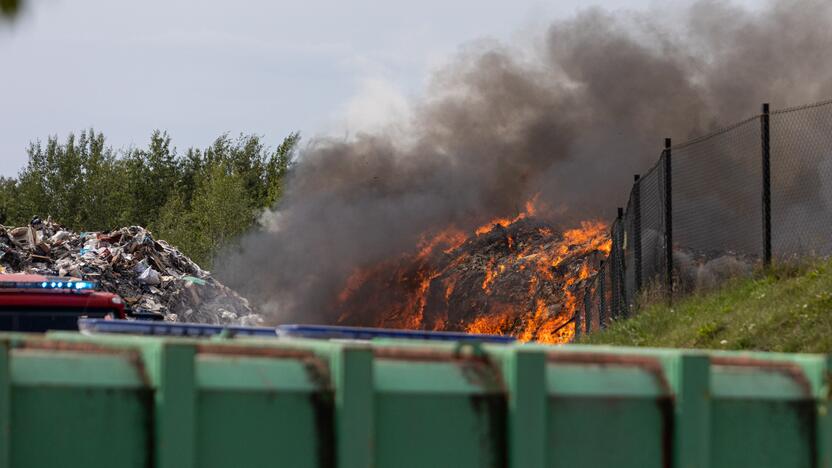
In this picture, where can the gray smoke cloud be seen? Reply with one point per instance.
(570, 121)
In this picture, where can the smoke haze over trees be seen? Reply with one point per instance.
(570, 120)
(199, 200)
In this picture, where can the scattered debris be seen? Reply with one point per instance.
(149, 274)
(701, 271)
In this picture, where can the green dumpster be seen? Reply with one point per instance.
(71, 400)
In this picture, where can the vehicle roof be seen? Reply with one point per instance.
(29, 292)
(22, 277)
(30, 298)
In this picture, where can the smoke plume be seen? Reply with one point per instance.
(571, 121)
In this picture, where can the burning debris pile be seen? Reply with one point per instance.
(149, 274)
(512, 277)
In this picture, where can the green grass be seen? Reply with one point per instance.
(788, 309)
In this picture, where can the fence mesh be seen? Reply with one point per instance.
(717, 199)
(618, 301)
(629, 256)
(801, 181)
(592, 302)
(718, 204)
(652, 195)
(604, 296)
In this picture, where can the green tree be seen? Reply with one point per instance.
(32, 197)
(221, 209)
(63, 178)
(200, 201)
(10, 8)
(76, 183)
(175, 225)
(219, 213)
(151, 176)
(278, 167)
(104, 200)
(246, 157)
(8, 200)
(191, 166)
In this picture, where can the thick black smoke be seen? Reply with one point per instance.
(571, 121)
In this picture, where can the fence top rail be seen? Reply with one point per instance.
(802, 107)
(714, 133)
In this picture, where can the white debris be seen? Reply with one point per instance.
(148, 274)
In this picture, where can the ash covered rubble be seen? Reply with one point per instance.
(702, 271)
(149, 274)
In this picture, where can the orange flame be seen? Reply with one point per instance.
(531, 210)
(490, 275)
(417, 290)
(498, 322)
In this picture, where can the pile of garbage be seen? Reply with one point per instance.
(149, 274)
(524, 278)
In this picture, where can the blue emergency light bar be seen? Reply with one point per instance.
(325, 332)
(65, 284)
(365, 333)
(147, 327)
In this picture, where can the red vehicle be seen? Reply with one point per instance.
(35, 303)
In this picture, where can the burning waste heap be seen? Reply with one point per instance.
(514, 277)
(149, 274)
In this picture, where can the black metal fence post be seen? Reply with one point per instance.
(616, 279)
(636, 234)
(668, 216)
(577, 318)
(587, 310)
(766, 143)
(623, 302)
(602, 295)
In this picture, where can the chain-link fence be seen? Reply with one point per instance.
(717, 206)
(801, 180)
(651, 188)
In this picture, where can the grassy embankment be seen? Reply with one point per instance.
(788, 309)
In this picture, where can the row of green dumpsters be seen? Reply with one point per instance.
(68, 400)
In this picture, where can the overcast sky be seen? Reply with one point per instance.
(199, 68)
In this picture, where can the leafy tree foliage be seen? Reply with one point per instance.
(200, 200)
(9, 8)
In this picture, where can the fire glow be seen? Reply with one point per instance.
(513, 276)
